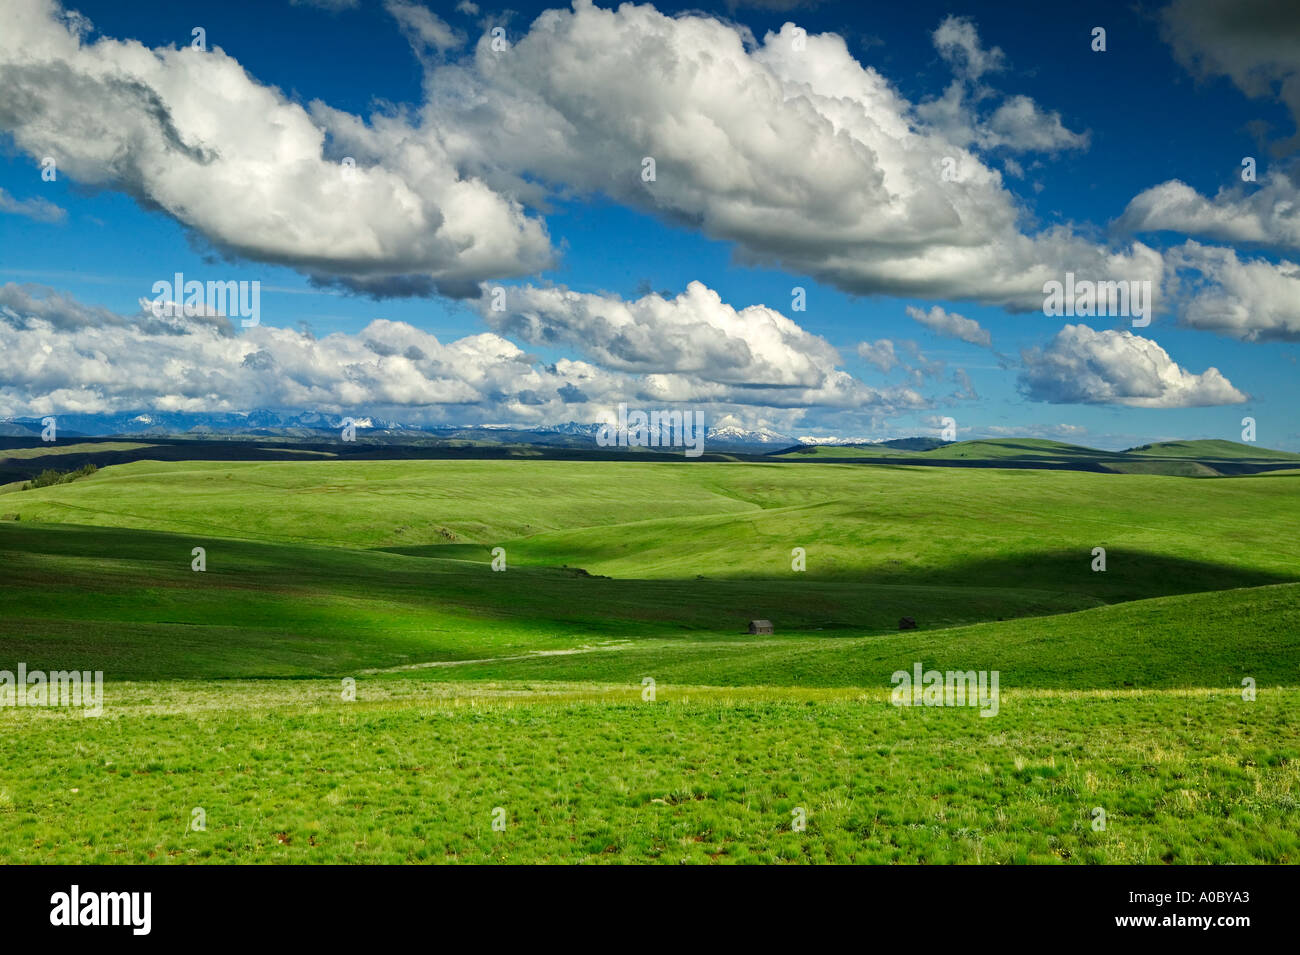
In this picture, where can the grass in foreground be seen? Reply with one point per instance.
(413, 772)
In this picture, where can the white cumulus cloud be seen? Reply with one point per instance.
(693, 333)
(1267, 214)
(60, 355)
(192, 133)
(952, 325)
(796, 152)
(1084, 366)
(1252, 299)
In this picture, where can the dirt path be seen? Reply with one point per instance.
(530, 655)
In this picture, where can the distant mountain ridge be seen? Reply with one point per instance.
(266, 423)
(1203, 457)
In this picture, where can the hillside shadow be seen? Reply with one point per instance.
(576, 601)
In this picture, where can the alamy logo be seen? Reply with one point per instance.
(1124, 298)
(231, 299)
(134, 909)
(58, 688)
(657, 429)
(954, 688)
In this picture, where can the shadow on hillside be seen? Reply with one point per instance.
(281, 449)
(1038, 577)
(111, 564)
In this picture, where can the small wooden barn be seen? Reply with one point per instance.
(761, 626)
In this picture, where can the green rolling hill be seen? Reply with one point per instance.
(525, 688)
(1210, 458)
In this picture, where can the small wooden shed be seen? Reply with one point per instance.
(761, 626)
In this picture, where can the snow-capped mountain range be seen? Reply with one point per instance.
(306, 424)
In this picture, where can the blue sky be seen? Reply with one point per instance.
(1169, 100)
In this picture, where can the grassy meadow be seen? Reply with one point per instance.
(519, 695)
